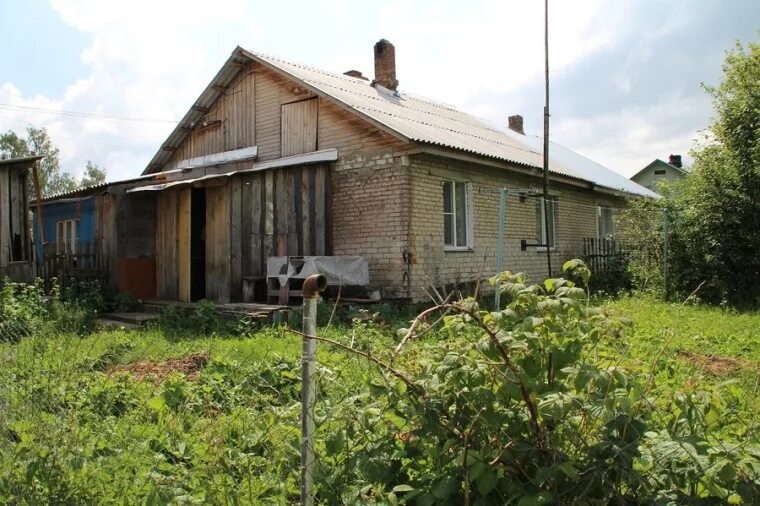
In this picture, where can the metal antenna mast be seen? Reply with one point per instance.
(547, 241)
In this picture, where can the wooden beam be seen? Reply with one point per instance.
(38, 200)
(198, 108)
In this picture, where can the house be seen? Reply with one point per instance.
(277, 158)
(103, 224)
(15, 227)
(658, 171)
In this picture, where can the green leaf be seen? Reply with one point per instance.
(444, 487)
(157, 403)
(486, 482)
(403, 488)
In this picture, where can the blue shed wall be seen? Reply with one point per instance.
(53, 212)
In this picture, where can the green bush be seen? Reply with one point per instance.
(513, 409)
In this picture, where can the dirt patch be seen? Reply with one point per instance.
(716, 365)
(189, 365)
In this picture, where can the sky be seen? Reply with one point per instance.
(625, 74)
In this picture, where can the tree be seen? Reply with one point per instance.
(93, 175)
(714, 215)
(52, 180)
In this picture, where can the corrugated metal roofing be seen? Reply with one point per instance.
(323, 155)
(23, 159)
(90, 190)
(413, 118)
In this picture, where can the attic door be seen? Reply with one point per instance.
(299, 127)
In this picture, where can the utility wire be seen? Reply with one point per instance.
(40, 110)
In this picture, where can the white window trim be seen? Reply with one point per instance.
(69, 229)
(553, 198)
(470, 229)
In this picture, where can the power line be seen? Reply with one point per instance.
(81, 114)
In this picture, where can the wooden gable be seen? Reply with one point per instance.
(281, 117)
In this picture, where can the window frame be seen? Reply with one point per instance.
(542, 224)
(599, 210)
(66, 236)
(468, 215)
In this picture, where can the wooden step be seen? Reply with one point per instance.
(109, 324)
(136, 319)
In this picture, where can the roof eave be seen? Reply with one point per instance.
(215, 89)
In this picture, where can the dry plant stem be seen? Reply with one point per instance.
(503, 449)
(337, 300)
(408, 381)
(480, 277)
(510, 365)
(420, 317)
(466, 443)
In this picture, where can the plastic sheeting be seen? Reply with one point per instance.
(339, 270)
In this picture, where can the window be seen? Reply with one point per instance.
(660, 172)
(604, 224)
(456, 223)
(541, 234)
(66, 236)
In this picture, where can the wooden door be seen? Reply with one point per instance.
(218, 243)
(167, 206)
(299, 127)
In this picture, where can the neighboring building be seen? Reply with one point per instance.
(282, 159)
(15, 227)
(658, 171)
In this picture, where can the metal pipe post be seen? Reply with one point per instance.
(312, 287)
(500, 246)
(545, 202)
(665, 251)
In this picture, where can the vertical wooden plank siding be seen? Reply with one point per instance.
(230, 124)
(183, 251)
(299, 127)
(236, 268)
(27, 221)
(278, 210)
(17, 214)
(257, 224)
(320, 197)
(167, 214)
(218, 243)
(105, 231)
(4, 218)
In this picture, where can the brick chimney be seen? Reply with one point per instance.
(516, 124)
(385, 65)
(675, 161)
(355, 73)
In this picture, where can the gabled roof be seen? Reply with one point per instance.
(657, 161)
(408, 117)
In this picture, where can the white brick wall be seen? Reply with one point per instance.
(384, 203)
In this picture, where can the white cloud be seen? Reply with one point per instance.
(151, 59)
(627, 140)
